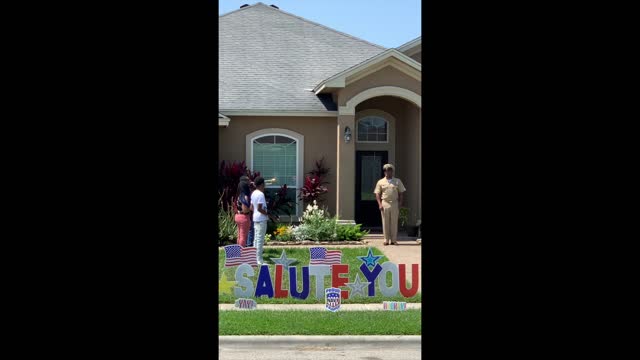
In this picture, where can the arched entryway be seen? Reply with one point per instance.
(392, 119)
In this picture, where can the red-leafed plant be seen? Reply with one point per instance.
(312, 189)
(320, 170)
(228, 179)
(314, 183)
(279, 202)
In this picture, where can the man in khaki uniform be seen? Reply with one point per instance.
(389, 192)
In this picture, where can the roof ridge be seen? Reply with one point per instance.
(410, 43)
(242, 8)
(309, 21)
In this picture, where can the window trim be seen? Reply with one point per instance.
(373, 142)
(299, 139)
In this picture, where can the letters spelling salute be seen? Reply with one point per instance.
(245, 288)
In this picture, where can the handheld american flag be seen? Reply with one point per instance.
(322, 256)
(236, 255)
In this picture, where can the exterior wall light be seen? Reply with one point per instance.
(347, 134)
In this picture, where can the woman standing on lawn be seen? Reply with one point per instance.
(243, 214)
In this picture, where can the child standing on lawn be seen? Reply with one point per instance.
(259, 207)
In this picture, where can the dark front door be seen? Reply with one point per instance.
(368, 172)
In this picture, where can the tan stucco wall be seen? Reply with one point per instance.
(408, 159)
(387, 76)
(319, 140)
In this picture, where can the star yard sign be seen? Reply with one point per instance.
(282, 260)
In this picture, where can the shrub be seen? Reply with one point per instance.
(227, 228)
(315, 225)
(279, 203)
(271, 227)
(403, 216)
(283, 233)
(350, 232)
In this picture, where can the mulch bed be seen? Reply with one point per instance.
(309, 242)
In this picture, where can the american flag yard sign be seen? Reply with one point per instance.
(236, 255)
(322, 256)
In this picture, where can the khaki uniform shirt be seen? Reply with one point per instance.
(389, 189)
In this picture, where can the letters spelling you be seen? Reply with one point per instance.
(264, 287)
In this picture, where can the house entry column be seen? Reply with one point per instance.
(346, 169)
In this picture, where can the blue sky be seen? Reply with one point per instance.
(389, 23)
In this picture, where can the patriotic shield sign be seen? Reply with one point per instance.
(332, 299)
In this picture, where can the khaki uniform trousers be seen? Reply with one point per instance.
(390, 212)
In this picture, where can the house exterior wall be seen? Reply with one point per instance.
(408, 161)
(387, 76)
(319, 140)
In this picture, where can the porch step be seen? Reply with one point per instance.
(401, 237)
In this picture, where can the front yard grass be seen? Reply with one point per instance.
(349, 256)
(264, 322)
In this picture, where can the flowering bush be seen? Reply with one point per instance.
(283, 233)
(315, 224)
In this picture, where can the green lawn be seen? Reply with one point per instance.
(264, 322)
(303, 257)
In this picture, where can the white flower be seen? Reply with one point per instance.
(315, 207)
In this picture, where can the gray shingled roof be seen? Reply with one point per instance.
(270, 59)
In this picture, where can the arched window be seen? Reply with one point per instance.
(373, 129)
(277, 157)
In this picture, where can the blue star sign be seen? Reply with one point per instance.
(370, 260)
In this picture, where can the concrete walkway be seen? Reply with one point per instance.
(315, 307)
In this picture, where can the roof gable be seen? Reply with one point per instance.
(391, 57)
(412, 47)
(271, 60)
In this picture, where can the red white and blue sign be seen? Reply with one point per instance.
(332, 299)
(323, 264)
